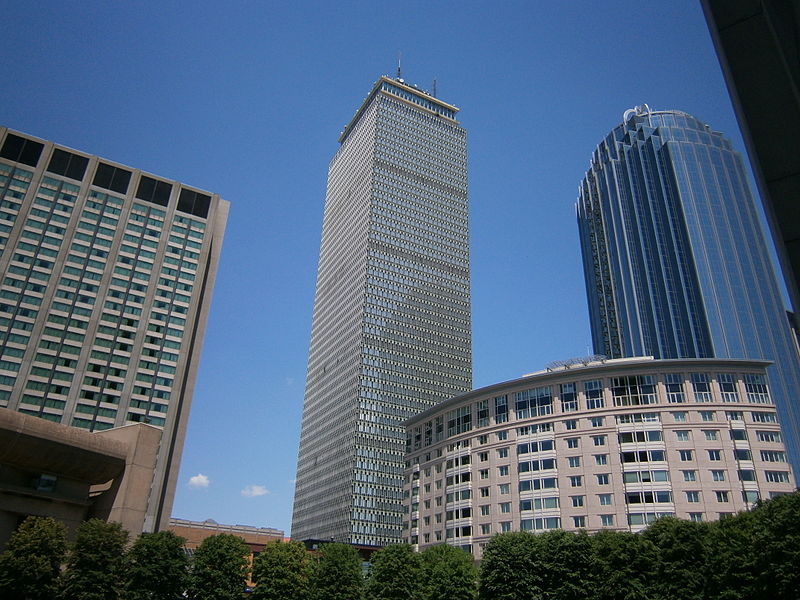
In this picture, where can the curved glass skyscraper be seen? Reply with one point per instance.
(675, 260)
(391, 332)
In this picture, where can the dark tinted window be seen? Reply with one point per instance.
(21, 150)
(152, 190)
(194, 203)
(68, 164)
(59, 162)
(112, 178)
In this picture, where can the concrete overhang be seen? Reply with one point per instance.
(34, 444)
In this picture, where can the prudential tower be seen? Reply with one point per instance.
(391, 331)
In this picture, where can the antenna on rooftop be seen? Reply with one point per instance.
(399, 59)
(434, 88)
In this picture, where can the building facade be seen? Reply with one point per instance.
(602, 445)
(390, 334)
(53, 470)
(757, 46)
(675, 259)
(194, 532)
(107, 275)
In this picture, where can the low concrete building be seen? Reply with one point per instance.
(610, 444)
(48, 469)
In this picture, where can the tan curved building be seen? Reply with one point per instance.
(607, 444)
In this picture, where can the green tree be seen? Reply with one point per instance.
(281, 572)
(337, 574)
(508, 568)
(394, 574)
(623, 566)
(219, 569)
(157, 567)
(448, 573)
(681, 570)
(777, 546)
(96, 563)
(30, 566)
(554, 565)
(564, 560)
(732, 557)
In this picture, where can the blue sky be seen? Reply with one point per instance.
(246, 99)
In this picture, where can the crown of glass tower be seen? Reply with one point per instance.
(675, 260)
(390, 335)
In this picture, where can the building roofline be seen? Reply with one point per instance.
(105, 160)
(611, 365)
(377, 88)
(212, 525)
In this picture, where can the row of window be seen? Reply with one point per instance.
(544, 523)
(110, 177)
(554, 503)
(643, 456)
(576, 481)
(459, 419)
(87, 253)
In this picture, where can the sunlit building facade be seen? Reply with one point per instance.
(611, 444)
(107, 274)
(391, 326)
(675, 259)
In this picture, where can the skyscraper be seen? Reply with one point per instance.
(107, 275)
(391, 330)
(757, 47)
(675, 260)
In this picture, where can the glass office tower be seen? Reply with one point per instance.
(675, 259)
(107, 275)
(391, 332)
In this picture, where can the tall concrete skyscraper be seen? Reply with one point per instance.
(107, 275)
(391, 332)
(675, 259)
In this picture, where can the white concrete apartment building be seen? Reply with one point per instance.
(605, 444)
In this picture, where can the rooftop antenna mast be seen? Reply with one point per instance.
(399, 58)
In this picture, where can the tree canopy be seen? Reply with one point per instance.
(622, 564)
(31, 563)
(337, 573)
(281, 572)
(776, 543)
(507, 571)
(156, 567)
(96, 562)
(394, 574)
(448, 573)
(680, 571)
(753, 555)
(219, 569)
(565, 562)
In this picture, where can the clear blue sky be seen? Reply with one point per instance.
(247, 99)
